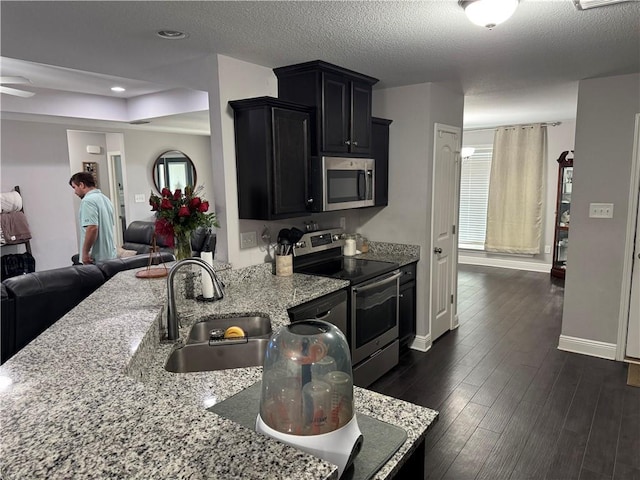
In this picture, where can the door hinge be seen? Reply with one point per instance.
(452, 298)
(453, 229)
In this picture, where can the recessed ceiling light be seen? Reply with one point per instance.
(172, 34)
(118, 89)
(586, 4)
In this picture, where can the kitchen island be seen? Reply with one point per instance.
(89, 398)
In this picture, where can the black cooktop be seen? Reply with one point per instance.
(356, 270)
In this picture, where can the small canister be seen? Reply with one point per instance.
(349, 246)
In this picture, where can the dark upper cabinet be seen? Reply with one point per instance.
(342, 101)
(272, 157)
(380, 153)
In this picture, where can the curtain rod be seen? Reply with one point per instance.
(544, 124)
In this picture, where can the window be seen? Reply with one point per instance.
(474, 193)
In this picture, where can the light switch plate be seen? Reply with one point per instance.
(139, 198)
(601, 210)
(248, 240)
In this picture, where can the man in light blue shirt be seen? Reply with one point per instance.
(95, 218)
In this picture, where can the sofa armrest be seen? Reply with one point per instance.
(42, 298)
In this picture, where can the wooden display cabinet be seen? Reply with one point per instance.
(563, 215)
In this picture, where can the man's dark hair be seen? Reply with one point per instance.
(83, 177)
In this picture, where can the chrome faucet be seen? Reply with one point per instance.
(172, 317)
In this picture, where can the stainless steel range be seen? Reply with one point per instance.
(373, 300)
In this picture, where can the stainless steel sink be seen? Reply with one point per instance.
(254, 326)
(201, 357)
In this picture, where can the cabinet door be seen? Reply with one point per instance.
(360, 133)
(290, 159)
(335, 114)
(380, 153)
(407, 323)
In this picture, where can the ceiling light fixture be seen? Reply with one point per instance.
(118, 89)
(488, 13)
(586, 4)
(171, 34)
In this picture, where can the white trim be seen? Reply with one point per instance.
(632, 214)
(585, 346)
(505, 263)
(421, 343)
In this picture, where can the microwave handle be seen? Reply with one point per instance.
(362, 184)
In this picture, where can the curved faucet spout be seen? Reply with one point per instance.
(172, 317)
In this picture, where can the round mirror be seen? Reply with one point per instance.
(174, 170)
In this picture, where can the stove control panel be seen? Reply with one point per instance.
(313, 242)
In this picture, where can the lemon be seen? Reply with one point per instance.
(233, 332)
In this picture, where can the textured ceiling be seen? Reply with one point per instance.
(547, 46)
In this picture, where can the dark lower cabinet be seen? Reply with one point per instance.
(272, 158)
(407, 323)
(380, 153)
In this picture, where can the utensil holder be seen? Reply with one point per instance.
(284, 265)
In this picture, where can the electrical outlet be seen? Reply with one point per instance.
(601, 210)
(547, 249)
(248, 240)
(343, 223)
(139, 198)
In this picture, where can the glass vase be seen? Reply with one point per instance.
(182, 245)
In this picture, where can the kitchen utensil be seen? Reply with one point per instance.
(295, 234)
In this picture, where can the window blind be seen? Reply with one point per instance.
(474, 194)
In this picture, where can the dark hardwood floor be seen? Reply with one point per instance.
(513, 406)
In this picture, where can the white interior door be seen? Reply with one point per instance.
(633, 332)
(632, 350)
(116, 194)
(443, 224)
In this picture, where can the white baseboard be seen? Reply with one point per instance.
(421, 343)
(587, 347)
(505, 263)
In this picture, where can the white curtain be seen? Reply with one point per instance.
(516, 189)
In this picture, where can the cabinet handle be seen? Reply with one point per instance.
(437, 250)
(309, 201)
(354, 143)
(347, 142)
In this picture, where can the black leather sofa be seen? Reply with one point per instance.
(139, 237)
(33, 302)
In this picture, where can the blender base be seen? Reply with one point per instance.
(339, 447)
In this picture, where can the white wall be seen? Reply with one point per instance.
(559, 139)
(414, 110)
(36, 156)
(237, 80)
(602, 169)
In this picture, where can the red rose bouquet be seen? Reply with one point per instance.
(180, 213)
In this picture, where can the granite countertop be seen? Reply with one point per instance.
(392, 252)
(89, 398)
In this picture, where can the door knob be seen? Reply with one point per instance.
(437, 250)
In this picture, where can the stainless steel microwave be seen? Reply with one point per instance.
(338, 183)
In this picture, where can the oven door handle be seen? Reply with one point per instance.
(384, 281)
